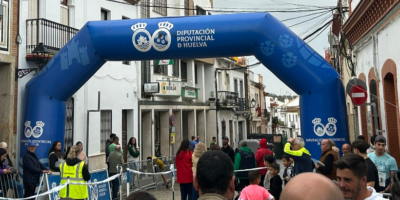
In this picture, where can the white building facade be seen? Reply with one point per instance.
(114, 86)
(289, 114)
(376, 58)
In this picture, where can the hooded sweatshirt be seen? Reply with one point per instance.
(238, 159)
(261, 152)
(374, 195)
(85, 171)
(183, 161)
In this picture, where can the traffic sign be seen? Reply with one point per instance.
(173, 119)
(358, 94)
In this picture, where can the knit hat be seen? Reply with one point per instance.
(2, 152)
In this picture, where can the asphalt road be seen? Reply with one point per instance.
(165, 194)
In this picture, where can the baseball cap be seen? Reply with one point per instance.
(225, 137)
(32, 144)
(380, 138)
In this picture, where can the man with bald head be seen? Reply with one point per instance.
(346, 149)
(328, 157)
(296, 187)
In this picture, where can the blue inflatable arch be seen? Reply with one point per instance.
(322, 100)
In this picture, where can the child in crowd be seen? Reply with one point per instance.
(254, 191)
(288, 172)
(268, 160)
(276, 181)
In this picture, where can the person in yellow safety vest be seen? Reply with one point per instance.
(77, 172)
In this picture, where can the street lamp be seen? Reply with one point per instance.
(253, 103)
(41, 55)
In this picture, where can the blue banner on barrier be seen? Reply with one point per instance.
(52, 182)
(96, 192)
(101, 191)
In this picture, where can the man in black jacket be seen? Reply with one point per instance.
(32, 169)
(228, 149)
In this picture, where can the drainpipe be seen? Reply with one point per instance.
(375, 56)
(216, 103)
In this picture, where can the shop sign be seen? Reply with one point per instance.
(190, 93)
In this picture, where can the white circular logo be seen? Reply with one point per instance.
(319, 129)
(141, 40)
(28, 129)
(161, 39)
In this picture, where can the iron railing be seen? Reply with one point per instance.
(53, 35)
(243, 104)
(227, 98)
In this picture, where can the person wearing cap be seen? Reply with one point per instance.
(385, 163)
(228, 149)
(360, 147)
(32, 169)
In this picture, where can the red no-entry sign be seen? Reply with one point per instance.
(358, 94)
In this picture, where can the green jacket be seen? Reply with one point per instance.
(238, 159)
(133, 153)
(212, 143)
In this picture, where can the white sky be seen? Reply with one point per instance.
(272, 83)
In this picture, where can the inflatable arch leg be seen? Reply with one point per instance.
(322, 102)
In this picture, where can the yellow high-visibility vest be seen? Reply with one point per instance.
(74, 174)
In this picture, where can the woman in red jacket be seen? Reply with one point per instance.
(184, 174)
(261, 152)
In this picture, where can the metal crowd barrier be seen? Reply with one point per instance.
(9, 186)
(139, 182)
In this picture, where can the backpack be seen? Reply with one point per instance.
(247, 161)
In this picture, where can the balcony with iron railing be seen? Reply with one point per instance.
(229, 100)
(53, 35)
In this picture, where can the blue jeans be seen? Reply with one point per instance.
(115, 186)
(195, 193)
(387, 183)
(186, 191)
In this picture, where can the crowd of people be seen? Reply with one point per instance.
(354, 175)
(220, 173)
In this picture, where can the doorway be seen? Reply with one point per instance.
(391, 115)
